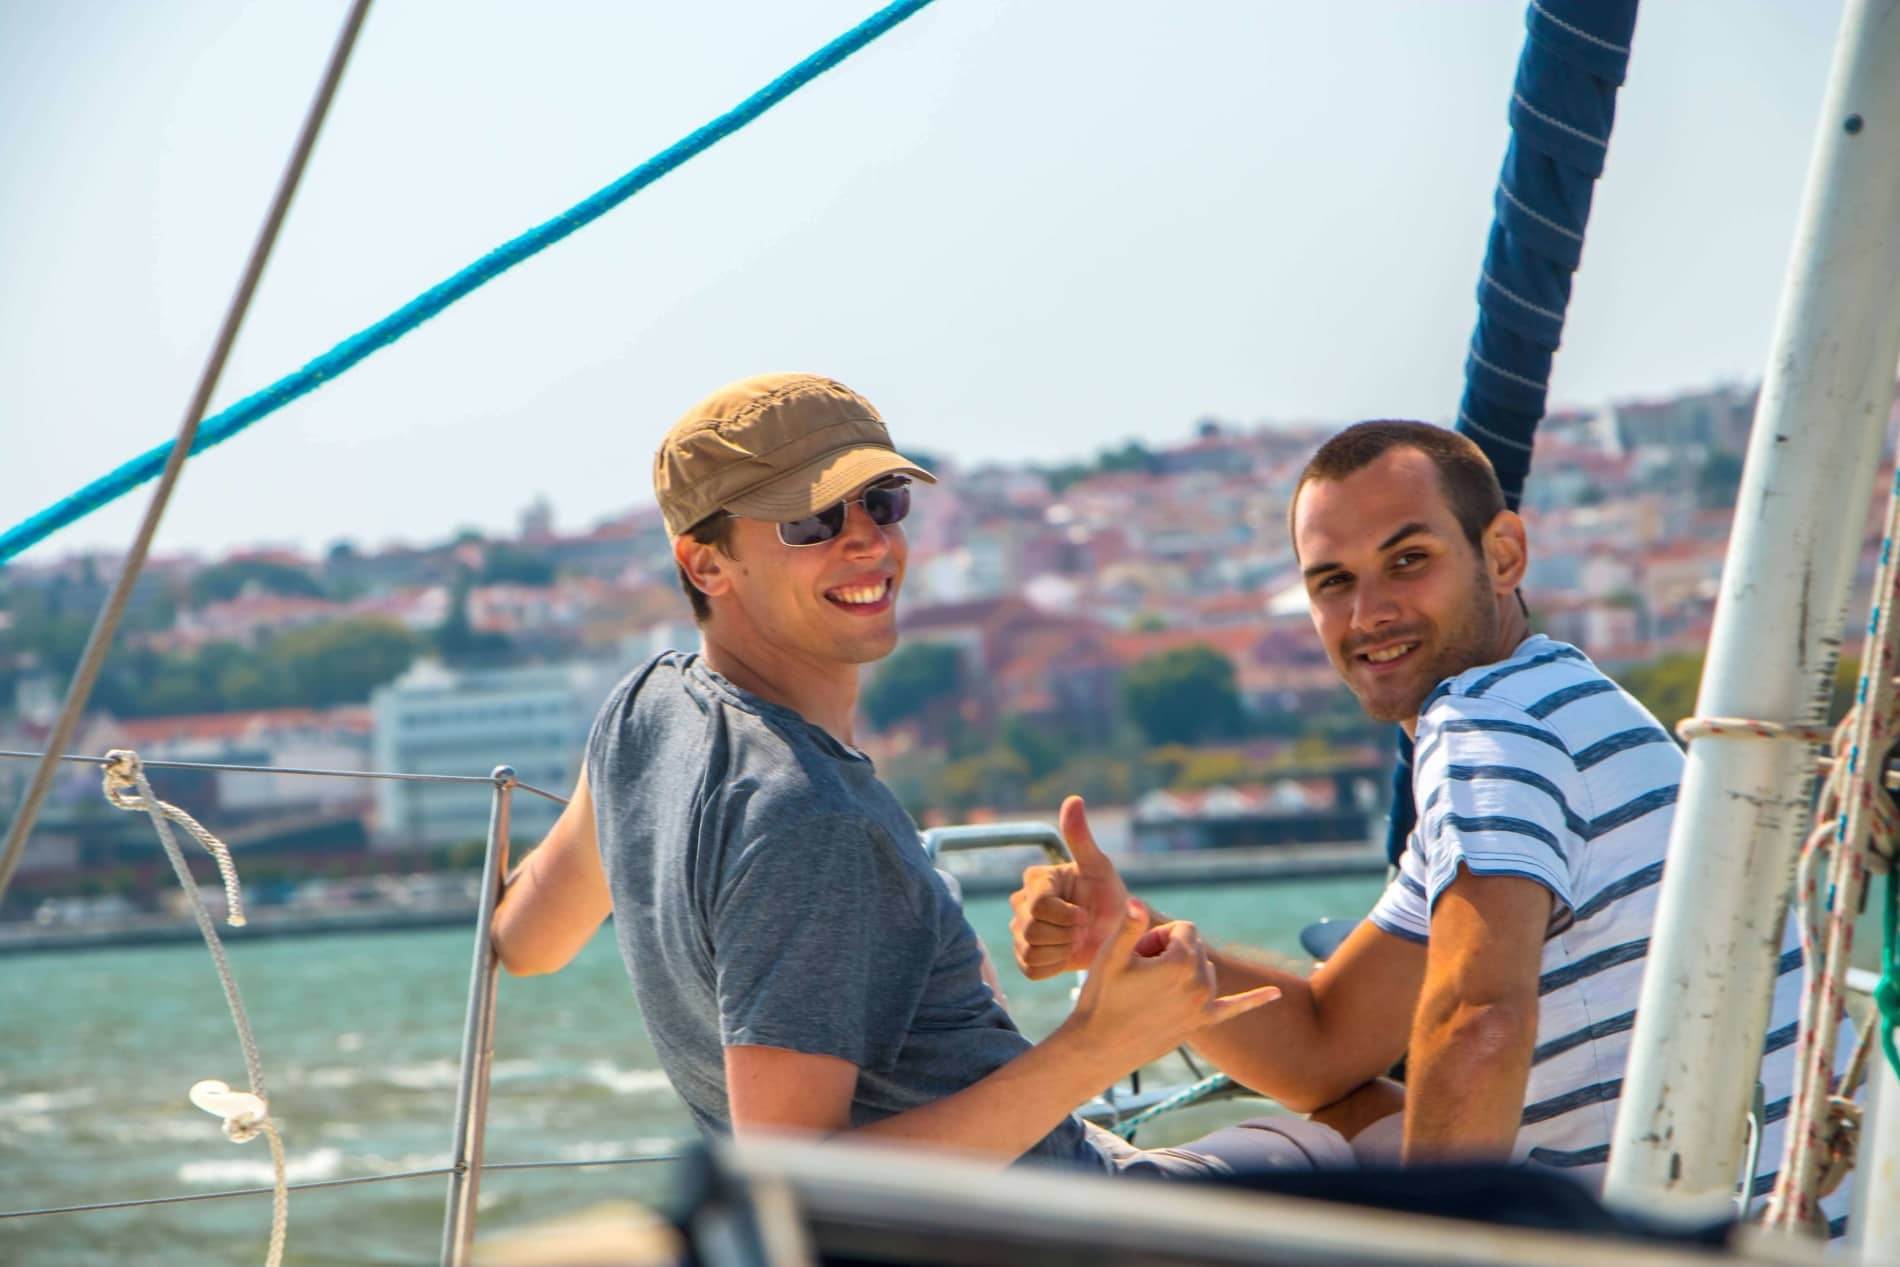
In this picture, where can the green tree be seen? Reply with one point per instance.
(1040, 753)
(1718, 480)
(227, 580)
(509, 565)
(1098, 777)
(457, 640)
(1183, 696)
(340, 662)
(996, 778)
(1215, 767)
(1666, 686)
(919, 675)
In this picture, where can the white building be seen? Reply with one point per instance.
(298, 738)
(436, 720)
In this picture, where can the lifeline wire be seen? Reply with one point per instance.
(354, 349)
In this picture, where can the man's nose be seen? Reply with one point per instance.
(863, 534)
(1373, 605)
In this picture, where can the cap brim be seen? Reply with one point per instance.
(826, 481)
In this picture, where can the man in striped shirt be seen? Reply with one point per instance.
(1504, 960)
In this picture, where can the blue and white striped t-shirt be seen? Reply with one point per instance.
(1542, 767)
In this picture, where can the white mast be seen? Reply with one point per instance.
(1799, 518)
(1875, 1222)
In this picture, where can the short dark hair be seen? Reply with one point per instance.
(714, 530)
(1465, 475)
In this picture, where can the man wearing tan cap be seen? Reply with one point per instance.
(799, 964)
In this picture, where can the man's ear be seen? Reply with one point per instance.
(1506, 551)
(703, 564)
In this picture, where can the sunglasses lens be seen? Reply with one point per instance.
(887, 503)
(819, 528)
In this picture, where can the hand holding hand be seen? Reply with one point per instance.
(1150, 988)
(1063, 914)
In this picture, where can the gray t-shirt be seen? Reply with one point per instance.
(769, 890)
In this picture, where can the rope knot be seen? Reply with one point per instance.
(1840, 1141)
(122, 771)
(245, 1114)
(127, 788)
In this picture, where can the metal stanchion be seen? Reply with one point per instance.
(478, 1041)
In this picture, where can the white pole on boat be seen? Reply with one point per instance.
(1874, 1223)
(1799, 520)
(478, 1040)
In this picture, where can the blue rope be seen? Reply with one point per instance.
(1193, 1093)
(345, 355)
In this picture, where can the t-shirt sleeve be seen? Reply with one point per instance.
(1498, 794)
(1402, 909)
(821, 942)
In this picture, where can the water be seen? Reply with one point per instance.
(360, 1037)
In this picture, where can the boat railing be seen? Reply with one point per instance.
(467, 1162)
(939, 841)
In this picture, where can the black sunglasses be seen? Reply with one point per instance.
(886, 502)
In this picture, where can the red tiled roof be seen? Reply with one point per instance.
(150, 730)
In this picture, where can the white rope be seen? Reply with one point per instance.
(126, 788)
(245, 1114)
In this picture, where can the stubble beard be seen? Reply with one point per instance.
(1473, 643)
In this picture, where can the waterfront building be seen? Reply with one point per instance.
(438, 720)
(301, 738)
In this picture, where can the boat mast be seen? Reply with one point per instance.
(1817, 440)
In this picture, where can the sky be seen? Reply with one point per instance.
(1026, 231)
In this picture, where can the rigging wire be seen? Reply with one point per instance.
(347, 354)
(173, 455)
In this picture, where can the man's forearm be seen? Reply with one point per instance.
(1004, 1115)
(1465, 1083)
(1281, 1051)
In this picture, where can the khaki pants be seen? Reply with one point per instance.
(1261, 1143)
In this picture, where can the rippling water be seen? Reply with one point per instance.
(360, 1037)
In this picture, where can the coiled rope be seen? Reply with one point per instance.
(1857, 827)
(245, 1115)
(347, 354)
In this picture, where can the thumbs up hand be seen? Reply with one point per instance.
(1063, 914)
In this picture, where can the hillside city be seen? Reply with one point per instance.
(1131, 627)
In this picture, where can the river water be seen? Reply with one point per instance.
(360, 1037)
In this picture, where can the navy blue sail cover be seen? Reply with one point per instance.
(1562, 106)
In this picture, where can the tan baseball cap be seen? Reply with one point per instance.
(777, 447)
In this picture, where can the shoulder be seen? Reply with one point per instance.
(656, 681)
(1526, 679)
(1548, 694)
(1504, 709)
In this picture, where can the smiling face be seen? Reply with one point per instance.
(822, 606)
(1401, 598)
